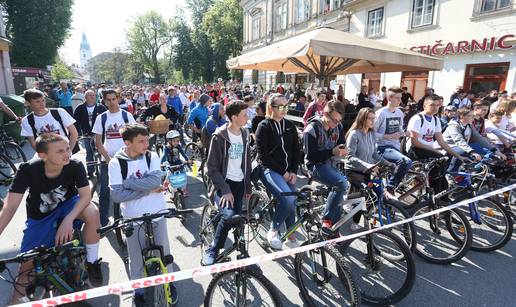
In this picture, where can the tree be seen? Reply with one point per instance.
(147, 37)
(223, 25)
(60, 71)
(37, 29)
(184, 52)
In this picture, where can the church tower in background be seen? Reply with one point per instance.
(85, 51)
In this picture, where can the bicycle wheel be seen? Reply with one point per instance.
(204, 177)
(14, 152)
(208, 226)
(324, 279)
(120, 237)
(7, 170)
(193, 151)
(179, 199)
(259, 209)
(241, 287)
(494, 229)
(394, 211)
(156, 295)
(381, 280)
(442, 238)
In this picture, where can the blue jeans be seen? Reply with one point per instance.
(404, 163)
(331, 177)
(87, 144)
(104, 201)
(221, 233)
(479, 149)
(456, 163)
(285, 211)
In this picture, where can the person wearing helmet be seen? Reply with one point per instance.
(173, 150)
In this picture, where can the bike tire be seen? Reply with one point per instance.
(344, 293)
(119, 234)
(7, 170)
(194, 152)
(14, 152)
(207, 226)
(369, 276)
(489, 210)
(433, 243)
(179, 200)
(229, 281)
(155, 295)
(396, 212)
(263, 215)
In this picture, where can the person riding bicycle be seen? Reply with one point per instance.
(389, 128)
(135, 183)
(425, 135)
(160, 109)
(460, 134)
(174, 151)
(278, 149)
(216, 120)
(59, 193)
(323, 138)
(229, 169)
(199, 115)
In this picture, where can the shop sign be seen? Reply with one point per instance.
(487, 44)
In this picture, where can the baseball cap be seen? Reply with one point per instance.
(450, 108)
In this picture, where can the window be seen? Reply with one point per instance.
(375, 23)
(422, 13)
(256, 27)
(280, 22)
(330, 5)
(302, 10)
(493, 5)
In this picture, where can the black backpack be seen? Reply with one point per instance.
(123, 164)
(57, 117)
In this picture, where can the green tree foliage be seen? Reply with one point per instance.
(204, 60)
(37, 29)
(223, 25)
(183, 49)
(147, 38)
(110, 67)
(60, 71)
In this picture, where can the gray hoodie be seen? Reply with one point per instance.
(218, 158)
(362, 151)
(133, 187)
(457, 135)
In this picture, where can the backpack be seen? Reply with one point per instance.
(123, 164)
(57, 117)
(104, 120)
(404, 139)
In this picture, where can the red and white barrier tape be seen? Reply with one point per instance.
(127, 286)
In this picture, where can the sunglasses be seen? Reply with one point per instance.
(281, 107)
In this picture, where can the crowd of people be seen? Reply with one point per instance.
(231, 120)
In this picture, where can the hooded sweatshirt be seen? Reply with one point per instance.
(198, 116)
(218, 158)
(134, 193)
(457, 135)
(319, 143)
(214, 121)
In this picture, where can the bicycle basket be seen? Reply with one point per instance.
(178, 179)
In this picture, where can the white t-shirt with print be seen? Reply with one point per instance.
(47, 124)
(426, 131)
(113, 139)
(236, 152)
(151, 203)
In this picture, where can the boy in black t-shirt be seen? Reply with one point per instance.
(58, 191)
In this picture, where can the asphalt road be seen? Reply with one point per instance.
(478, 280)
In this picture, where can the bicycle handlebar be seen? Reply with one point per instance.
(168, 213)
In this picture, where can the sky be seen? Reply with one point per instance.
(105, 22)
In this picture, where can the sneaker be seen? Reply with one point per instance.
(347, 207)
(173, 293)
(94, 273)
(292, 241)
(274, 239)
(389, 193)
(355, 227)
(138, 300)
(326, 230)
(209, 257)
(450, 180)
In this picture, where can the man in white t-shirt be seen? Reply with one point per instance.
(425, 134)
(43, 120)
(135, 182)
(108, 141)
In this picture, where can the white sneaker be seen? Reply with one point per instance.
(274, 239)
(292, 243)
(355, 227)
(450, 179)
(347, 207)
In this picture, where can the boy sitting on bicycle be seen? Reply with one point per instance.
(59, 193)
(174, 151)
(229, 169)
(135, 183)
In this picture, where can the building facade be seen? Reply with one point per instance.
(475, 38)
(85, 52)
(6, 77)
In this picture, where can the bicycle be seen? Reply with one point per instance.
(57, 270)
(7, 170)
(241, 286)
(10, 148)
(175, 180)
(154, 261)
(442, 238)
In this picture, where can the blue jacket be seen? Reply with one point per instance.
(173, 158)
(214, 121)
(199, 116)
(193, 104)
(176, 104)
(65, 98)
